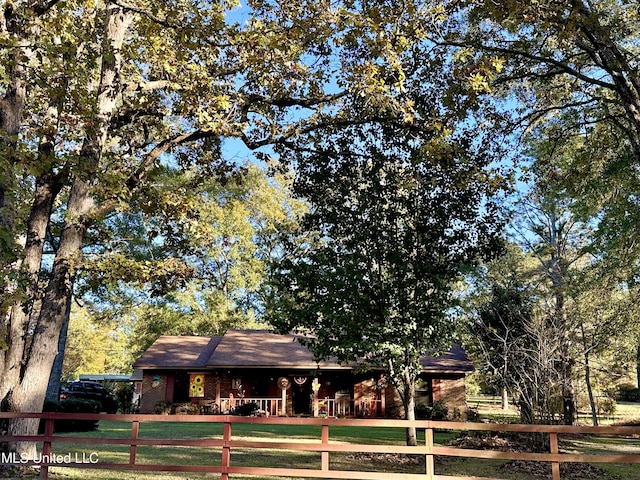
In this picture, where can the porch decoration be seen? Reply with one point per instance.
(283, 383)
(196, 385)
(315, 386)
(300, 380)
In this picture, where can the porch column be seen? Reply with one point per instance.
(283, 384)
(315, 386)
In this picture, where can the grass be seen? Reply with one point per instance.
(299, 459)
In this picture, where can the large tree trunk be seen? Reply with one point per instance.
(55, 378)
(12, 105)
(30, 360)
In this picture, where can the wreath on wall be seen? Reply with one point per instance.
(284, 383)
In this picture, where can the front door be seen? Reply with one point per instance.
(302, 396)
(181, 388)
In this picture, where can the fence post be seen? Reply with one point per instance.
(325, 453)
(428, 435)
(226, 450)
(135, 425)
(555, 466)
(46, 448)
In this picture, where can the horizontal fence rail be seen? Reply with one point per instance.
(226, 445)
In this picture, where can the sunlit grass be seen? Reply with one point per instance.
(205, 455)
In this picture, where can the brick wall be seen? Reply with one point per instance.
(153, 391)
(452, 391)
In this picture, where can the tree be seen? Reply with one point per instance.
(501, 306)
(97, 99)
(606, 314)
(577, 57)
(227, 240)
(94, 346)
(396, 222)
(511, 335)
(550, 231)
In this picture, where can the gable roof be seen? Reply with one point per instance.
(453, 360)
(264, 349)
(261, 349)
(178, 352)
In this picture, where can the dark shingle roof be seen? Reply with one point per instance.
(453, 360)
(261, 349)
(264, 349)
(178, 352)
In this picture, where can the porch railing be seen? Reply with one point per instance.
(266, 406)
(327, 407)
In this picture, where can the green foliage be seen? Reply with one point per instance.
(73, 405)
(123, 392)
(246, 409)
(94, 345)
(437, 411)
(394, 221)
(162, 408)
(627, 393)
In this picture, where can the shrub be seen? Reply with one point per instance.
(627, 393)
(605, 406)
(187, 409)
(73, 405)
(437, 411)
(162, 408)
(246, 409)
(473, 415)
(124, 395)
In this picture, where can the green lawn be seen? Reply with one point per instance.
(299, 459)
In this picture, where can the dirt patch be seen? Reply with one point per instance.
(520, 443)
(568, 471)
(489, 442)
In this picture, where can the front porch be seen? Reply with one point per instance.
(281, 394)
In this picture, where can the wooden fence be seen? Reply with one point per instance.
(227, 445)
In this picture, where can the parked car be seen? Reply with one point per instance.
(90, 391)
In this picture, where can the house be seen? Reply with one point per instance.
(217, 374)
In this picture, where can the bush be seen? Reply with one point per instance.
(187, 409)
(162, 408)
(246, 409)
(473, 415)
(437, 411)
(73, 405)
(124, 395)
(627, 393)
(605, 406)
